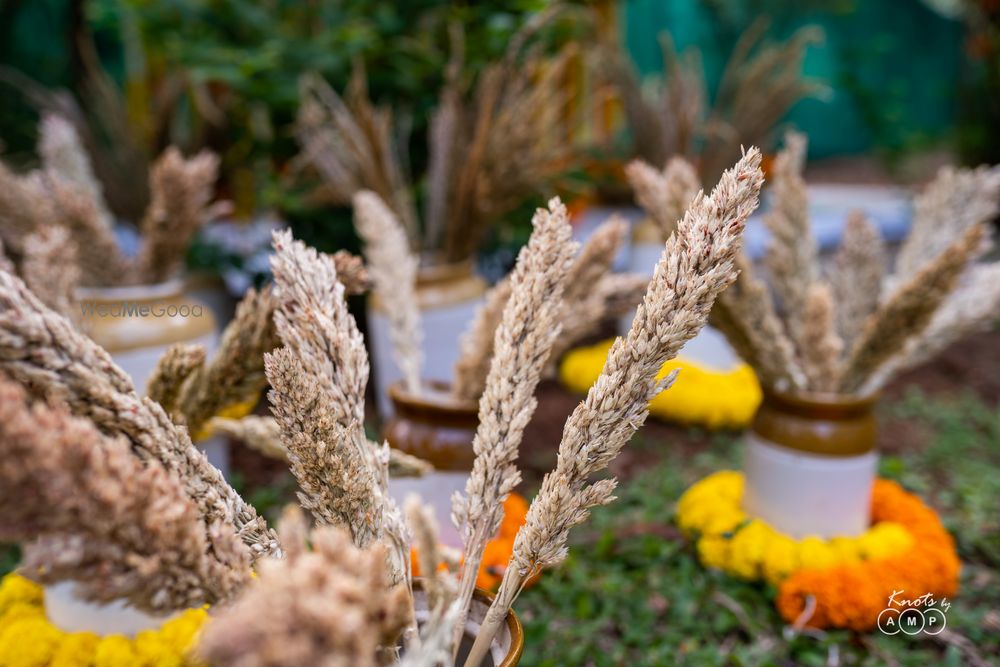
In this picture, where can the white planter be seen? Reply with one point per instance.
(449, 297)
(70, 614)
(810, 464)
(801, 494)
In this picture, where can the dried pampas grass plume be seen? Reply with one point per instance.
(697, 264)
(42, 351)
(821, 345)
(101, 517)
(666, 194)
(394, 271)
(327, 606)
(856, 279)
(49, 268)
(522, 343)
(64, 156)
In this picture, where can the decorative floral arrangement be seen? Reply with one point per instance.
(104, 489)
(700, 396)
(29, 639)
(64, 197)
(842, 582)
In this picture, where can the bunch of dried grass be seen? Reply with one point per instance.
(852, 329)
(761, 81)
(492, 142)
(88, 510)
(66, 194)
(698, 262)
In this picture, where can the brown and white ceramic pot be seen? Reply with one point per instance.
(810, 463)
(439, 428)
(448, 296)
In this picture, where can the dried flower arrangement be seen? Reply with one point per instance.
(64, 194)
(493, 142)
(760, 83)
(850, 329)
(357, 564)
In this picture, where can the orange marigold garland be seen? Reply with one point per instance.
(498, 550)
(850, 580)
(852, 595)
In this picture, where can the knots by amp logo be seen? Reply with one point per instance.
(911, 616)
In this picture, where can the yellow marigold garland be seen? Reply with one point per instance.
(28, 639)
(850, 579)
(700, 396)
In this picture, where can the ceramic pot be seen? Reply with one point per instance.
(448, 296)
(70, 614)
(509, 641)
(810, 463)
(438, 428)
(137, 323)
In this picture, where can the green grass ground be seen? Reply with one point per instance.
(632, 591)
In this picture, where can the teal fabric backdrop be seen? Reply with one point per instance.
(891, 65)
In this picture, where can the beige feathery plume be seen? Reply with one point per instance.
(99, 257)
(42, 351)
(821, 345)
(909, 309)
(745, 314)
(476, 345)
(181, 191)
(792, 253)
(439, 586)
(89, 511)
(318, 382)
(24, 209)
(956, 200)
(585, 303)
(172, 369)
(328, 606)
(664, 195)
(64, 156)
(856, 279)
(973, 306)
(263, 435)
(394, 271)
(235, 375)
(351, 272)
(522, 343)
(50, 270)
(697, 264)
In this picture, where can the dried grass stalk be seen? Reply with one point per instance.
(235, 375)
(856, 279)
(42, 351)
(328, 606)
(64, 156)
(351, 143)
(351, 272)
(665, 195)
(90, 511)
(822, 346)
(956, 200)
(263, 435)
(528, 328)
(50, 270)
(394, 271)
(439, 585)
(318, 380)
(172, 369)
(697, 264)
(973, 306)
(792, 256)
(100, 259)
(24, 208)
(476, 345)
(181, 191)
(910, 308)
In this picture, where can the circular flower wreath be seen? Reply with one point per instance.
(849, 580)
(700, 396)
(28, 639)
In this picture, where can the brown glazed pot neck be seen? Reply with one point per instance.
(435, 426)
(818, 423)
